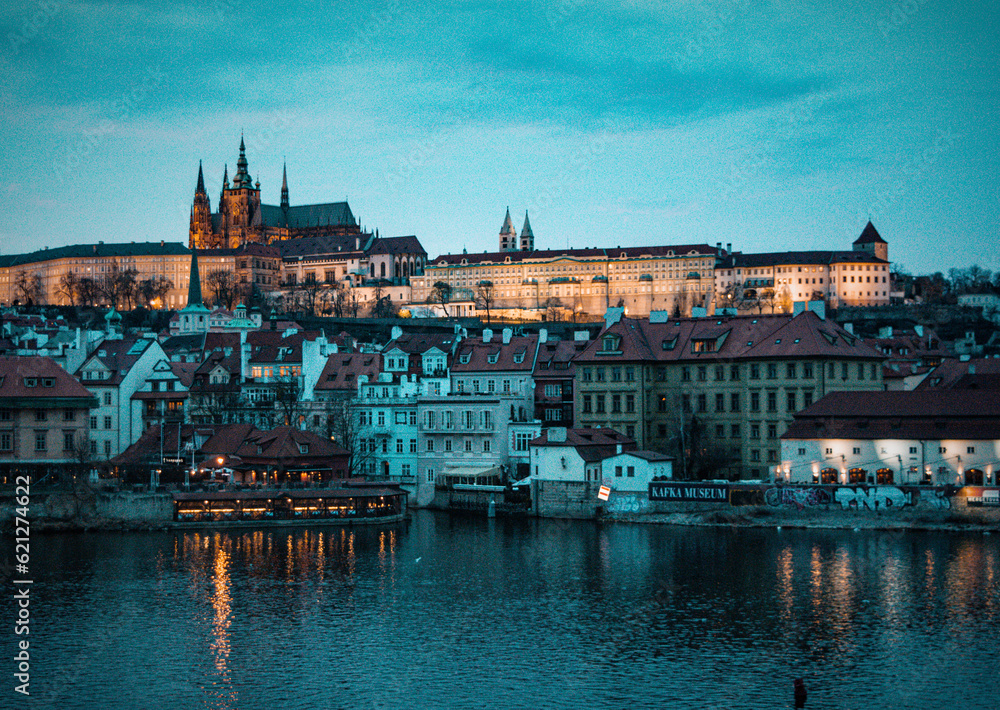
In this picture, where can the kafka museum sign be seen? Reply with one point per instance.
(700, 492)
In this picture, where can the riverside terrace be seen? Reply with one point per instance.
(358, 503)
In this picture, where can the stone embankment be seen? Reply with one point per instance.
(85, 508)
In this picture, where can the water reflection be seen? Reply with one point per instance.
(226, 696)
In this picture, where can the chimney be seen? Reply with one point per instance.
(718, 247)
(557, 434)
(543, 336)
(972, 369)
(849, 327)
(798, 307)
(357, 244)
(818, 307)
(919, 330)
(507, 333)
(729, 247)
(487, 335)
(397, 332)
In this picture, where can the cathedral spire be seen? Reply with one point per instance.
(200, 189)
(284, 187)
(242, 177)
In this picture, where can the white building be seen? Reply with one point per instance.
(937, 437)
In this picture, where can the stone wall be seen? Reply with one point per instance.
(86, 508)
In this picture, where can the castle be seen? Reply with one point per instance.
(242, 219)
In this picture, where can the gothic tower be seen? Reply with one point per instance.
(200, 231)
(240, 207)
(527, 238)
(872, 242)
(508, 235)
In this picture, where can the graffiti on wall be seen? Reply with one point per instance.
(624, 504)
(873, 497)
(797, 497)
(859, 497)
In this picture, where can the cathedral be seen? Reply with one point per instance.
(242, 219)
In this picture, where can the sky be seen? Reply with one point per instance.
(770, 126)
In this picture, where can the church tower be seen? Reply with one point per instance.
(200, 231)
(240, 207)
(527, 238)
(508, 235)
(872, 242)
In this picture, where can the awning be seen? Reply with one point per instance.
(471, 472)
(522, 482)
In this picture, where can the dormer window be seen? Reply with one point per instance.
(48, 382)
(464, 358)
(303, 448)
(493, 358)
(610, 344)
(519, 357)
(669, 343)
(260, 449)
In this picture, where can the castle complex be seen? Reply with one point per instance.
(242, 219)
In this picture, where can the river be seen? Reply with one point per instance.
(460, 612)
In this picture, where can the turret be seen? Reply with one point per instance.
(200, 229)
(284, 189)
(527, 238)
(508, 235)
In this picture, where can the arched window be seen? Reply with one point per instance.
(383, 270)
(373, 270)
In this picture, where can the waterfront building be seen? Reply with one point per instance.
(498, 366)
(44, 416)
(576, 455)
(936, 437)
(773, 281)
(114, 373)
(721, 389)
(963, 373)
(553, 378)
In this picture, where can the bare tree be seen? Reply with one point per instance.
(118, 286)
(88, 292)
(69, 284)
(680, 309)
(485, 297)
(287, 400)
(29, 288)
(553, 309)
(382, 306)
(441, 293)
(346, 428)
(223, 286)
(153, 288)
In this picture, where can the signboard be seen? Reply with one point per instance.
(697, 492)
(604, 493)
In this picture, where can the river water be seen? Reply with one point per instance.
(458, 612)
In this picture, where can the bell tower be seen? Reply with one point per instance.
(240, 206)
(200, 231)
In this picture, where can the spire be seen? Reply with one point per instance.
(194, 285)
(526, 229)
(242, 177)
(508, 225)
(284, 187)
(200, 189)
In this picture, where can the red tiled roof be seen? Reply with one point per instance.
(968, 374)
(15, 370)
(496, 355)
(743, 337)
(117, 356)
(342, 371)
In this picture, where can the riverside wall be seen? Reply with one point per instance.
(83, 508)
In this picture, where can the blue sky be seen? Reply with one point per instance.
(772, 126)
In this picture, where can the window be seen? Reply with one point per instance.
(41, 415)
(430, 475)
(553, 390)
(41, 437)
(600, 374)
(755, 454)
(791, 401)
(734, 431)
(843, 370)
(68, 415)
(720, 372)
(702, 373)
(790, 370)
(468, 419)
(942, 449)
(720, 402)
(970, 449)
(447, 444)
(630, 431)
(618, 471)
(734, 373)
(755, 401)
(630, 403)
(616, 403)
(630, 374)
(913, 449)
(400, 417)
(413, 446)
(828, 451)
(685, 374)
(107, 422)
(487, 446)
(661, 374)
(807, 370)
(772, 401)
(616, 374)
(6, 441)
(772, 455)
(521, 440)
(734, 401)
(754, 371)
(661, 403)
(380, 418)
(772, 371)
(755, 431)
(807, 398)
(587, 408)
(600, 404)
(67, 441)
(702, 402)
(686, 402)
(772, 431)
(93, 448)
(506, 386)
(630, 472)
(861, 371)
(399, 446)
(385, 446)
(107, 398)
(5, 415)
(720, 430)
(430, 444)
(585, 373)
(856, 450)
(468, 446)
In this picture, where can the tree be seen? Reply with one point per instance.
(345, 427)
(441, 293)
(152, 289)
(88, 292)
(118, 286)
(223, 286)
(287, 399)
(381, 306)
(553, 309)
(485, 297)
(29, 288)
(680, 309)
(69, 284)
(308, 294)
